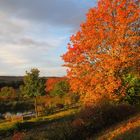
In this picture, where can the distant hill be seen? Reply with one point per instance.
(11, 81)
(16, 81)
(10, 78)
(18, 78)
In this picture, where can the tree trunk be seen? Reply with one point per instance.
(36, 112)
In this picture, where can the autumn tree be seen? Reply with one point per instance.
(106, 46)
(60, 88)
(34, 86)
(50, 83)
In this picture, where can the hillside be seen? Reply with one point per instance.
(16, 81)
(7, 79)
(127, 130)
(57, 126)
(11, 81)
(18, 78)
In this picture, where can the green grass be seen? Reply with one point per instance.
(6, 125)
(59, 126)
(8, 128)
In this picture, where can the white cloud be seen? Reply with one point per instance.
(11, 27)
(56, 71)
(10, 54)
(34, 33)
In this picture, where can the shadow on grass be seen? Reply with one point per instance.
(36, 124)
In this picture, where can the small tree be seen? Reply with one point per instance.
(33, 86)
(60, 88)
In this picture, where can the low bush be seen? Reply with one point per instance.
(103, 115)
(56, 131)
(49, 110)
(59, 106)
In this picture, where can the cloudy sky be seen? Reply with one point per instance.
(35, 33)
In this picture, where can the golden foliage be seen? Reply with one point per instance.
(107, 44)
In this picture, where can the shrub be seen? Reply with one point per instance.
(104, 115)
(75, 97)
(60, 89)
(49, 109)
(59, 106)
(55, 131)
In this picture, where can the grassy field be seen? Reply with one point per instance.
(58, 127)
(8, 128)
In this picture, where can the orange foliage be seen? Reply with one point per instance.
(52, 81)
(107, 44)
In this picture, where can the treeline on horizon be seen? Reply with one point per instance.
(16, 81)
